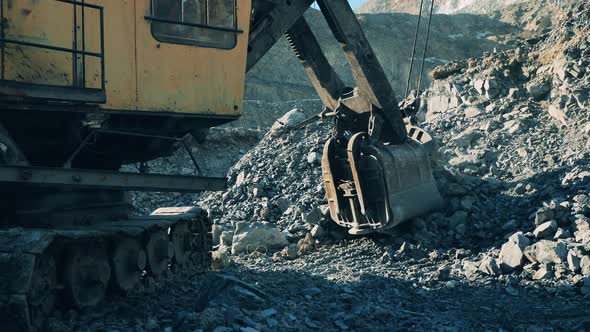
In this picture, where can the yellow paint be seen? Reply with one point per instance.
(142, 73)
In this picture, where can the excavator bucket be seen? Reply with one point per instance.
(373, 187)
(376, 168)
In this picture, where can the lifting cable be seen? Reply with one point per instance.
(425, 49)
(414, 49)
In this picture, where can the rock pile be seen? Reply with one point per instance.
(512, 127)
(275, 188)
(518, 121)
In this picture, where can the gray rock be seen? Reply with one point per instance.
(558, 114)
(547, 252)
(512, 252)
(255, 237)
(543, 215)
(585, 266)
(314, 216)
(513, 93)
(539, 89)
(314, 158)
(226, 238)
(543, 273)
(479, 85)
(291, 118)
(546, 230)
(465, 138)
(283, 204)
(573, 261)
(472, 112)
(490, 267)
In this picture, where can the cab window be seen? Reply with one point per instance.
(207, 23)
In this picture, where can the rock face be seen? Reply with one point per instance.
(440, 7)
(279, 76)
(255, 237)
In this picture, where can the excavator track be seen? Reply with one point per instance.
(47, 270)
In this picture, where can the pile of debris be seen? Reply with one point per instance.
(512, 128)
(275, 194)
(518, 120)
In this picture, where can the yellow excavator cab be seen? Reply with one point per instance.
(181, 56)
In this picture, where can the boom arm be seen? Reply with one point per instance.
(369, 185)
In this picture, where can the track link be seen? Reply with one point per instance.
(44, 270)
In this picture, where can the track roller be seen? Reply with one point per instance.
(181, 240)
(158, 251)
(43, 289)
(87, 274)
(128, 261)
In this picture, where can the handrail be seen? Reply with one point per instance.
(74, 51)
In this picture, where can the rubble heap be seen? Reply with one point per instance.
(519, 121)
(513, 165)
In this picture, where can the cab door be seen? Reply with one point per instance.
(191, 55)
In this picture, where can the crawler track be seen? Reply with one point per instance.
(44, 270)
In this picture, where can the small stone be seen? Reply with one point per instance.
(314, 216)
(545, 230)
(256, 192)
(290, 252)
(547, 252)
(573, 261)
(490, 267)
(544, 214)
(220, 260)
(558, 114)
(306, 245)
(317, 232)
(479, 86)
(465, 138)
(543, 273)
(513, 93)
(268, 312)
(290, 118)
(585, 266)
(539, 89)
(314, 158)
(472, 112)
(512, 254)
(562, 234)
(511, 290)
(283, 204)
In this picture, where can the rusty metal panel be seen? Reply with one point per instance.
(190, 79)
(36, 22)
(120, 61)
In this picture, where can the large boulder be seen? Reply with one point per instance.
(256, 236)
(290, 118)
(547, 252)
(512, 253)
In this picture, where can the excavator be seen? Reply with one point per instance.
(87, 86)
